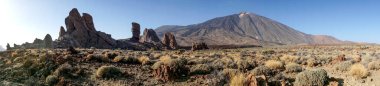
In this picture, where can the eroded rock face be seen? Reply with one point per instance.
(199, 46)
(149, 36)
(169, 41)
(88, 20)
(82, 33)
(135, 32)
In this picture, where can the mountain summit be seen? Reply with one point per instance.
(243, 29)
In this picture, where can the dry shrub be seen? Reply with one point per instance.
(170, 69)
(293, 68)
(244, 65)
(338, 59)
(229, 73)
(131, 60)
(97, 57)
(374, 65)
(144, 60)
(357, 58)
(110, 55)
(200, 69)
(51, 80)
(239, 80)
(166, 58)
(358, 71)
(63, 70)
(316, 77)
(108, 72)
(119, 59)
(273, 64)
(344, 66)
(311, 62)
(262, 70)
(289, 58)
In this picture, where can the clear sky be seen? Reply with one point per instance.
(24, 20)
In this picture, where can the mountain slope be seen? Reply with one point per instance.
(243, 29)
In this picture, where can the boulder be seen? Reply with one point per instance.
(149, 36)
(169, 41)
(199, 46)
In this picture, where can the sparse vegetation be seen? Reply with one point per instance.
(221, 67)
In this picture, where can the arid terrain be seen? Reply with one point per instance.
(332, 65)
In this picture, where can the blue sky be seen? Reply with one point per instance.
(24, 20)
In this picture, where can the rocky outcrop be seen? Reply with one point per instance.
(199, 46)
(169, 41)
(149, 36)
(48, 41)
(82, 33)
(135, 32)
(62, 31)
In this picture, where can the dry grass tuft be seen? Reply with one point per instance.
(144, 60)
(238, 80)
(273, 64)
(358, 71)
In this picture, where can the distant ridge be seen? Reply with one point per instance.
(243, 29)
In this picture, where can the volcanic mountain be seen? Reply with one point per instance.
(243, 29)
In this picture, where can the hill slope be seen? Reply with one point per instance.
(243, 29)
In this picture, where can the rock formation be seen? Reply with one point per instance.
(199, 46)
(135, 32)
(169, 41)
(149, 36)
(48, 41)
(8, 46)
(62, 31)
(82, 33)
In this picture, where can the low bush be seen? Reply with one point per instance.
(316, 77)
(108, 72)
(51, 80)
(293, 68)
(200, 69)
(343, 66)
(262, 70)
(374, 65)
